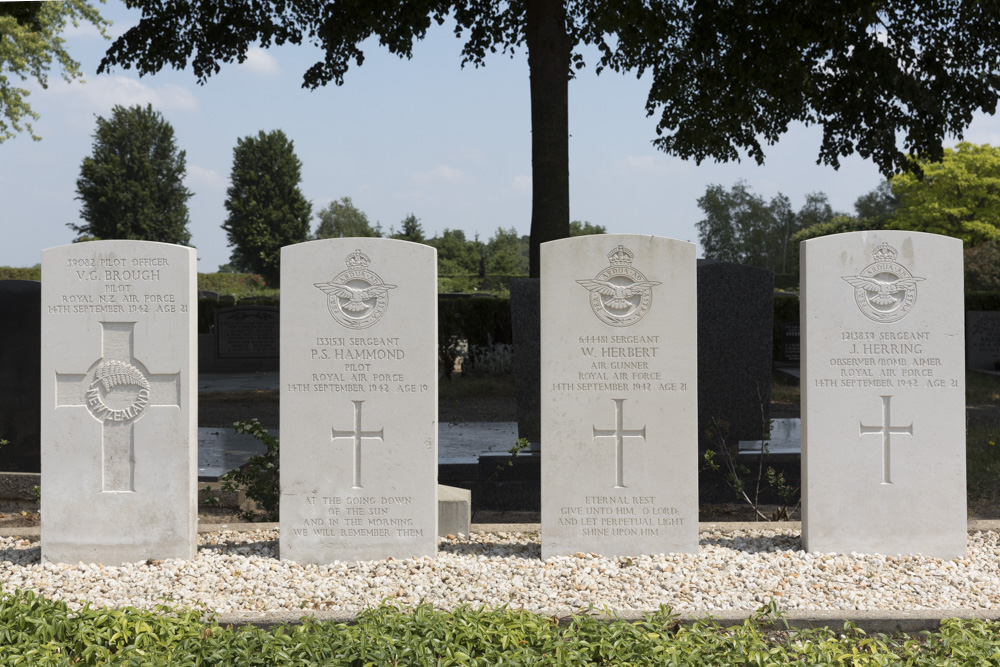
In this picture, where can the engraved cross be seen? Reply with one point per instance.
(117, 390)
(619, 434)
(358, 435)
(886, 431)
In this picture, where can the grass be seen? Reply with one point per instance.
(981, 388)
(37, 631)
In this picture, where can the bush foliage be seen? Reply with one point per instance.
(37, 631)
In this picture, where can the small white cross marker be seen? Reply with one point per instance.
(886, 431)
(619, 434)
(357, 435)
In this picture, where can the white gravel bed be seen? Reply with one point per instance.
(733, 570)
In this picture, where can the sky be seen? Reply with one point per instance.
(423, 136)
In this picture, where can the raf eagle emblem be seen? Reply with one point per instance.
(885, 291)
(620, 295)
(357, 297)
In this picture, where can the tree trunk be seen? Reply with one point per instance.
(548, 66)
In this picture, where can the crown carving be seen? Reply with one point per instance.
(358, 260)
(620, 256)
(884, 253)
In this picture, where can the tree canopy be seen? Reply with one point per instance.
(726, 79)
(29, 43)
(267, 210)
(341, 219)
(740, 226)
(410, 230)
(958, 196)
(132, 186)
(585, 228)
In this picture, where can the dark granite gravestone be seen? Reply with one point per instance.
(735, 313)
(982, 340)
(247, 338)
(525, 315)
(20, 375)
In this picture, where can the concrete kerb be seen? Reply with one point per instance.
(874, 621)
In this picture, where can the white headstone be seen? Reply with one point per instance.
(358, 400)
(883, 394)
(619, 396)
(119, 402)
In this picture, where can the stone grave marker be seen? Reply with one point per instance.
(20, 382)
(619, 396)
(119, 410)
(791, 347)
(982, 340)
(883, 394)
(735, 340)
(358, 400)
(247, 333)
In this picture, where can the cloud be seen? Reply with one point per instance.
(101, 93)
(201, 178)
(259, 61)
(441, 174)
(522, 184)
(643, 163)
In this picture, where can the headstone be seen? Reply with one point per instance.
(791, 348)
(20, 382)
(619, 396)
(883, 394)
(982, 340)
(119, 410)
(524, 315)
(358, 400)
(735, 340)
(248, 333)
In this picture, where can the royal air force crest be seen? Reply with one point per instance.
(357, 297)
(884, 291)
(620, 295)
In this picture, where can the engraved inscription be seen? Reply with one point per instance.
(884, 291)
(357, 297)
(886, 431)
(120, 278)
(620, 295)
(619, 364)
(358, 517)
(358, 365)
(619, 433)
(357, 435)
(117, 390)
(619, 516)
(884, 360)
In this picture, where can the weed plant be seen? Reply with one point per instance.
(259, 477)
(37, 631)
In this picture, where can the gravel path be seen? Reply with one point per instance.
(734, 570)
